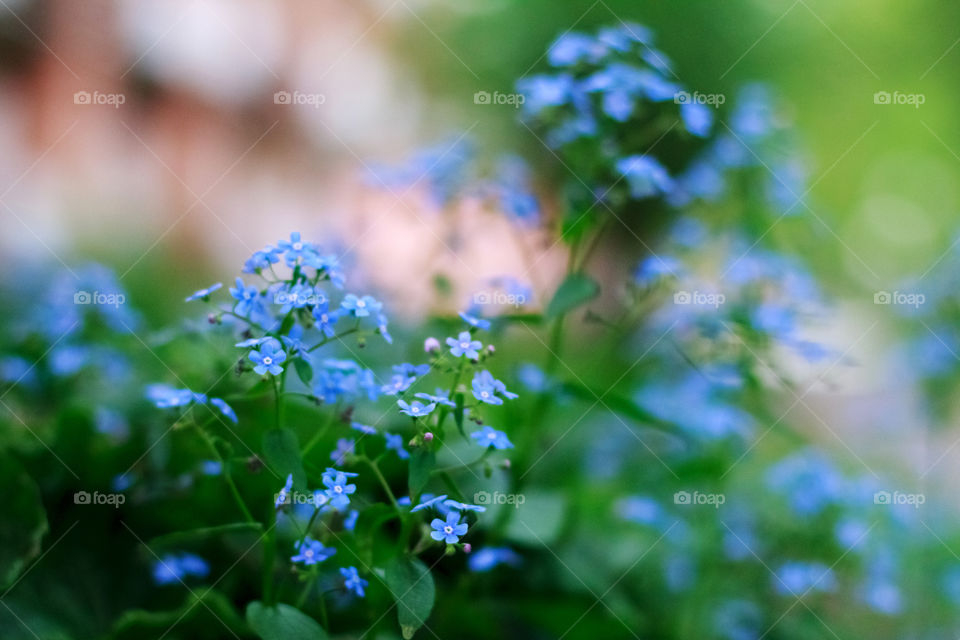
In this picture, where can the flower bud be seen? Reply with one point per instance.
(467, 548)
(506, 463)
(428, 437)
(431, 345)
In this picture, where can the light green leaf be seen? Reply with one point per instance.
(422, 462)
(281, 452)
(304, 370)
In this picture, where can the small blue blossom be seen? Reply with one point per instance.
(474, 321)
(268, 358)
(248, 299)
(352, 580)
(464, 344)
(489, 557)
(211, 467)
(449, 530)
(204, 293)
(325, 319)
(697, 118)
(293, 341)
(345, 448)
(398, 384)
(655, 268)
(361, 307)
(645, 176)
(395, 442)
(337, 488)
(298, 296)
(485, 387)
(427, 501)
(796, 578)
(439, 397)
(408, 369)
(296, 251)
(490, 437)
(175, 567)
(350, 522)
(225, 409)
(284, 493)
(262, 260)
(382, 328)
(416, 409)
(311, 551)
(461, 506)
(253, 342)
(164, 396)
(362, 428)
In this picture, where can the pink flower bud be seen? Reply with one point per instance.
(431, 345)
(467, 548)
(428, 437)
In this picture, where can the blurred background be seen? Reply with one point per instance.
(170, 140)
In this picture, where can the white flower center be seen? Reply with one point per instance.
(267, 360)
(492, 436)
(338, 489)
(323, 318)
(361, 303)
(448, 529)
(308, 553)
(297, 246)
(464, 345)
(484, 394)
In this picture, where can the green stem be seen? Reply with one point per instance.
(320, 432)
(383, 481)
(302, 599)
(464, 466)
(225, 468)
(332, 338)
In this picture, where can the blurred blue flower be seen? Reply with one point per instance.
(415, 409)
(427, 501)
(352, 580)
(284, 494)
(645, 176)
(489, 557)
(395, 442)
(173, 568)
(248, 299)
(204, 293)
(473, 321)
(360, 307)
(310, 551)
(344, 449)
(490, 437)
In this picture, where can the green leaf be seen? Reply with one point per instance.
(281, 452)
(179, 538)
(576, 290)
(411, 585)
(422, 462)
(538, 517)
(199, 614)
(622, 405)
(304, 370)
(23, 521)
(282, 622)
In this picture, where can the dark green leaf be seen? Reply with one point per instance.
(282, 622)
(304, 371)
(281, 452)
(178, 538)
(23, 521)
(201, 611)
(411, 585)
(458, 413)
(576, 290)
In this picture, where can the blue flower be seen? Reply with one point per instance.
(485, 387)
(656, 268)
(353, 581)
(344, 449)
(350, 522)
(395, 442)
(542, 92)
(473, 321)
(211, 467)
(490, 437)
(325, 318)
(573, 47)
(268, 358)
(464, 344)
(408, 369)
(450, 530)
(460, 506)
(337, 488)
(382, 328)
(284, 493)
(514, 192)
(164, 396)
(296, 251)
(362, 428)
(204, 293)
(697, 117)
(796, 578)
(253, 342)
(489, 557)
(175, 567)
(427, 501)
(297, 297)
(294, 342)
(262, 260)
(645, 176)
(439, 398)
(311, 551)
(248, 299)
(225, 409)
(398, 384)
(416, 409)
(361, 307)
